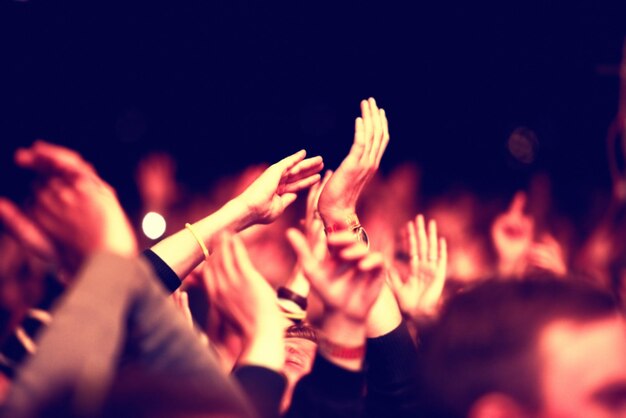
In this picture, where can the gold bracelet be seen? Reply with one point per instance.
(289, 314)
(205, 250)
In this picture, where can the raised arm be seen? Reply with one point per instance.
(338, 200)
(71, 199)
(247, 300)
(261, 203)
(347, 281)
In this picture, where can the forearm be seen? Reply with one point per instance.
(342, 341)
(385, 315)
(182, 252)
(265, 349)
(85, 336)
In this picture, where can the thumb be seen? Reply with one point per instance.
(288, 198)
(300, 245)
(290, 161)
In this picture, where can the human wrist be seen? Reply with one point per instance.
(243, 214)
(336, 215)
(342, 341)
(385, 315)
(264, 347)
(343, 329)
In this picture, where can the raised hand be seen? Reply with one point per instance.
(371, 136)
(248, 301)
(270, 194)
(262, 202)
(75, 212)
(418, 288)
(348, 280)
(512, 236)
(27, 232)
(547, 254)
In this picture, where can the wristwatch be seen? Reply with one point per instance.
(352, 223)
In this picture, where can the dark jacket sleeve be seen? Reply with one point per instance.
(163, 271)
(391, 375)
(329, 391)
(263, 387)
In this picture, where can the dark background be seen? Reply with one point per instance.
(223, 84)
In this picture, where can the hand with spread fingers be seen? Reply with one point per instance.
(418, 288)
(340, 195)
(270, 194)
(347, 281)
(75, 212)
(248, 301)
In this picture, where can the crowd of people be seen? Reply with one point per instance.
(347, 301)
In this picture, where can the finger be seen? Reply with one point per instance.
(360, 141)
(208, 277)
(25, 231)
(539, 254)
(422, 240)
(296, 186)
(372, 262)
(432, 241)
(385, 136)
(440, 277)
(242, 258)
(311, 201)
(368, 126)
(287, 199)
(184, 304)
(308, 262)
(354, 252)
(48, 202)
(64, 193)
(377, 130)
(306, 168)
(413, 250)
(340, 239)
(442, 262)
(47, 158)
(289, 162)
(518, 203)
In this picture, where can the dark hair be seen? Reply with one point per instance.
(485, 340)
(301, 330)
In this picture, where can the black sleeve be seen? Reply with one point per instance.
(263, 387)
(166, 275)
(391, 375)
(329, 391)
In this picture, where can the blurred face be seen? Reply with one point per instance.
(583, 369)
(299, 356)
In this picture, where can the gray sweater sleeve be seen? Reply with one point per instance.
(115, 308)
